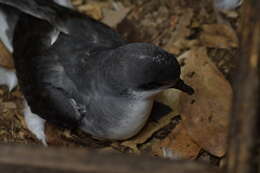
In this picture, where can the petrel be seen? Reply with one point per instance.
(76, 72)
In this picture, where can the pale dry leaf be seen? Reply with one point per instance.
(112, 17)
(92, 9)
(231, 14)
(206, 113)
(9, 105)
(219, 36)
(76, 2)
(173, 49)
(169, 98)
(177, 145)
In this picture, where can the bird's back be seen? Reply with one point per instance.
(37, 43)
(55, 59)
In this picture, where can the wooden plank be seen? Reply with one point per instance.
(31, 159)
(246, 88)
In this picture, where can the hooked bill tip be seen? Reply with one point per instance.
(184, 87)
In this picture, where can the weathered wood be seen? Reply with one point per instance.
(34, 159)
(246, 88)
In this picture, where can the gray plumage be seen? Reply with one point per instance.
(78, 73)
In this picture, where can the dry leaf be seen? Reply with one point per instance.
(9, 105)
(231, 14)
(219, 36)
(6, 59)
(173, 49)
(76, 2)
(112, 17)
(1, 93)
(169, 98)
(93, 9)
(206, 113)
(53, 134)
(17, 93)
(178, 145)
(179, 39)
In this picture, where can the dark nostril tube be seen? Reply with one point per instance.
(183, 87)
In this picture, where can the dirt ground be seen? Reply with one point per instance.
(176, 25)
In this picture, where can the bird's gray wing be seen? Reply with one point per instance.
(46, 10)
(68, 21)
(42, 77)
(52, 94)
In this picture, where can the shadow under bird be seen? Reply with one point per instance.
(78, 73)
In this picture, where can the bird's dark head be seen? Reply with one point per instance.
(149, 69)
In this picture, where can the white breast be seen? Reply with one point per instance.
(136, 115)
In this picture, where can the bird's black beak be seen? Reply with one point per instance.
(180, 85)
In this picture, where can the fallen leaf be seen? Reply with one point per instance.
(219, 36)
(53, 134)
(2, 92)
(178, 145)
(173, 49)
(21, 120)
(206, 113)
(169, 98)
(112, 17)
(6, 59)
(92, 9)
(9, 105)
(17, 93)
(231, 14)
(76, 2)
(179, 40)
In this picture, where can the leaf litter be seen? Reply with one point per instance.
(189, 30)
(206, 114)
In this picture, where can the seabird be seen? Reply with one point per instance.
(76, 72)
